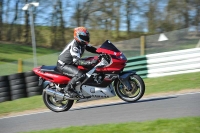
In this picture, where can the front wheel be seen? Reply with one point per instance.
(137, 91)
(56, 105)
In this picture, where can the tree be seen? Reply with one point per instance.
(131, 9)
(58, 26)
(151, 15)
(117, 16)
(11, 34)
(128, 15)
(195, 20)
(77, 15)
(26, 27)
(1, 18)
(178, 13)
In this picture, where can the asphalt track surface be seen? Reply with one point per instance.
(172, 106)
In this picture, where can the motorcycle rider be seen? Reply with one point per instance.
(70, 58)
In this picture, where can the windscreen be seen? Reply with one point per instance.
(109, 46)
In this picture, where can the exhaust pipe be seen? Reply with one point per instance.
(58, 95)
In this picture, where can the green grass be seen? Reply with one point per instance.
(10, 53)
(13, 52)
(153, 85)
(177, 125)
(22, 104)
(173, 83)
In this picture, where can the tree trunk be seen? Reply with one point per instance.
(151, 17)
(78, 14)
(117, 18)
(197, 17)
(186, 14)
(62, 23)
(11, 35)
(1, 18)
(27, 27)
(128, 16)
(58, 27)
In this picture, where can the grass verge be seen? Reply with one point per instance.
(153, 85)
(12, 52)
(178, 125)
(172, 83)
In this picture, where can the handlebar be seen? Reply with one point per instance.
(105, 56)
(101, 55)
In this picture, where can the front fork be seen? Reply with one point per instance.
(124, 78)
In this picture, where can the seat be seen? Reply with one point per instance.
(50, 69)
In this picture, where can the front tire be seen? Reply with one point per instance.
(135, 94)
(56, 105)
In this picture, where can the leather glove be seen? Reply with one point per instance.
(83, 62)
(94, 62)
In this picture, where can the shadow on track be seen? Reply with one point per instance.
(123, 102)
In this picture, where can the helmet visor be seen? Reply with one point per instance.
(85, 38)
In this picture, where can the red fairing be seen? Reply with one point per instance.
(102, 50)
(117, 64)
(55, 78)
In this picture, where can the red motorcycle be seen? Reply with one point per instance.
(104, 80)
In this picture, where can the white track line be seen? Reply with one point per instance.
(101, 104)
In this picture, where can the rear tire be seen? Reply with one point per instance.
(135, 94)
(56, 106)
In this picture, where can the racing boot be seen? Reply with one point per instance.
(70, 91)
(70, 88)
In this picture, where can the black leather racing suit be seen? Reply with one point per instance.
(68, 60)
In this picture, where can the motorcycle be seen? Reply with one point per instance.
(104, 80)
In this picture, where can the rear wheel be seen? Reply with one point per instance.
(138, 89)
(56, 105)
